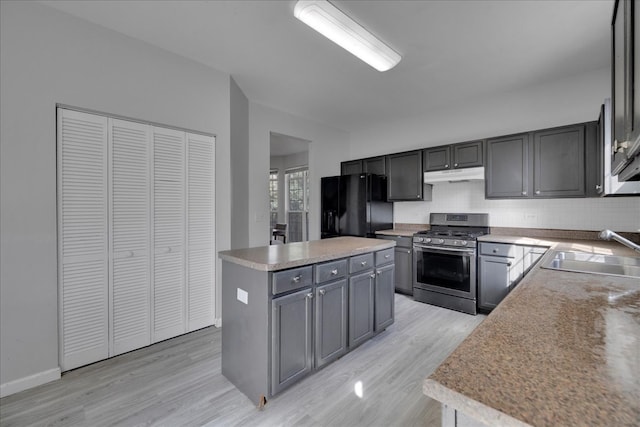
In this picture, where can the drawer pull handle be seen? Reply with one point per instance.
(296, 279)
(322, 291)
(387, 256)
(334, 272)
(363, 263)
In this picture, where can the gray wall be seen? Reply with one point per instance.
(240, 170)
(48, 57)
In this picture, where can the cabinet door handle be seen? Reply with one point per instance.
(524, 193)
(409, 252)
(598, 186)
(537, 191)
(446, 166)
(455, 165)
(321, 291)
(309, 295)
(296, 279)
(334, 272)
(363, 263)
(379, 272)
(373, 276)
(495, 251)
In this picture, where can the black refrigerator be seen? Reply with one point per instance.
(354, 205)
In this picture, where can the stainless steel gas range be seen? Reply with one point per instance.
(444, 260)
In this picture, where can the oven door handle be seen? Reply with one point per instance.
(447, 251)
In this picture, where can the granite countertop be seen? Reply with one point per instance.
(280, 257)
(404, 230)
(397, 232)
(561, 349)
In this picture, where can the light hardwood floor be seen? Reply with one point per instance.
(178, 383)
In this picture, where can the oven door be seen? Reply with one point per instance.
(449, 271)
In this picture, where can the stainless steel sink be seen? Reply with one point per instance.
(583, 262)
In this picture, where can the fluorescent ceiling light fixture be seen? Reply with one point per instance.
(332, 23)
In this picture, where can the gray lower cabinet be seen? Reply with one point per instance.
(497, 276)
(384, 297)
(361, 294)
(292, 356)
(500, 267)
(331, 322)
(403, 255)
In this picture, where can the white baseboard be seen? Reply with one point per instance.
(31, 381)
(217, 322)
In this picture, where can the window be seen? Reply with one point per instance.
(297, 203)
(273, 197)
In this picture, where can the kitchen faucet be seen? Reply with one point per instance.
(608, 235)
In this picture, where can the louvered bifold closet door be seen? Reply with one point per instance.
(200, 231)
(168, 233)
(82, 238)
(130, 278)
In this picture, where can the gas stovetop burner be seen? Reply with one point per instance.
(454, 230)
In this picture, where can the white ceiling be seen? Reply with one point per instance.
(452, 50)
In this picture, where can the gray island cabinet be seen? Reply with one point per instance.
(288, 310)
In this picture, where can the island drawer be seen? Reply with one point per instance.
(331, 270)
(384, 256)
(499, 249)
(289, 280)
(360, 263)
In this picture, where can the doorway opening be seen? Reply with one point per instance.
(289, 189)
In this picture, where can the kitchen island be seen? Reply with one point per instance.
(562, 349)
(288, 310)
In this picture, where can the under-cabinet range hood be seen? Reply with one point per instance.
(454, 175)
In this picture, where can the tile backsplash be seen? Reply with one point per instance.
(615, 213)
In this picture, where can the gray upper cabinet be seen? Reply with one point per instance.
(455, 156)
(468, 154)
(625, 89)
(405, 177)
(549, 163)
(507, 168)
(594, 157)
(558, 162)
(375, 165)
(437, 158)
(351, 167)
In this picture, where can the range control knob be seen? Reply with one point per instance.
(456, 243)
(440, 241)
(418, 239)
(427, 240)
(464, 243)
